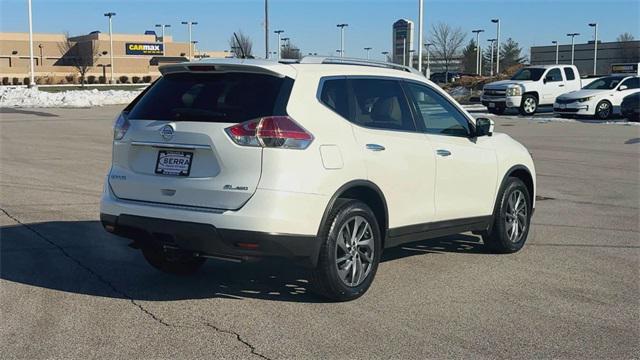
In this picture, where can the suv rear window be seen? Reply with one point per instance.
(211, 97)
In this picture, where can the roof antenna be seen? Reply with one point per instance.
(240, 46)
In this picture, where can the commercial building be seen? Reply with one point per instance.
(402, 42)
(57, 58)
(608, 53)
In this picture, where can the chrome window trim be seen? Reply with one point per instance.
(171, 145)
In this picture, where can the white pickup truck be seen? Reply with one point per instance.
(531, 87)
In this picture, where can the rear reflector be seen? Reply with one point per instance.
(270, 132)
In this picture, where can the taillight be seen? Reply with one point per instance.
(271, 132)
(120, 127)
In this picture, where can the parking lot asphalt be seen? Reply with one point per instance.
(70, 290)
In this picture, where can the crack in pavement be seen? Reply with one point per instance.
(106, 282)
(86, 268)
(238, 337)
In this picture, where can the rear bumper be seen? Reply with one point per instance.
(273, 223)
(207, 240)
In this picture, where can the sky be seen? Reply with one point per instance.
(311, 24)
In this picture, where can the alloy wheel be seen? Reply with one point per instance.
(516, 216)
(604, 109)
(530, 105)
(354, 251)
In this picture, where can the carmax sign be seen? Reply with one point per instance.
(144, 49)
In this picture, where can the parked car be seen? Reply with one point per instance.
(444, 77)
(600, 99)
(530, 88)
(630, 107)
(239, 159)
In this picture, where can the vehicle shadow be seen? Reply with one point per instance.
(80, 257)
(26, 112)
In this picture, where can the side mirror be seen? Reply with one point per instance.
(544, 81)
(623, 87)
(484, 127)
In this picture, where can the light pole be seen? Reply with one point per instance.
(110, 15)
(420, 27)
(367, 49)
(342, 26)
(385, 54)
(477, 32)
(279, 43)
(266, 29)
(189, 25)
(497, 21)
(41, 57)
(163, 26)
(557, 50)
(32, 81)
(194, 42)
(573, 35)
(428, 72)
(404, 51)
(492, 41)
(595, 47)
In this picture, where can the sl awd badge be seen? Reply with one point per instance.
(237, 188)
(167, 132)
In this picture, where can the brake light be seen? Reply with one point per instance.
(270, 132)
(120, 127)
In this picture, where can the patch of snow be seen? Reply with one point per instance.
(459, 91)
(25, 97)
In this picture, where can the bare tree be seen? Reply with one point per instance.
(625, 37)
(290, 51)
(447, 42)
(242, 45)
(81, 55)
(629, 51)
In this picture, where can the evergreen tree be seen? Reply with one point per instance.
(468, 61)
(511, 54)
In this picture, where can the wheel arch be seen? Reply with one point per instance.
(534, 93)
(521, 172)
(367, 192)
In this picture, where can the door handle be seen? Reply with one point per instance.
(375, 147)
(561, 85)
(443, 152)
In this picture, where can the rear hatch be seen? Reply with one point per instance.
(176, 151)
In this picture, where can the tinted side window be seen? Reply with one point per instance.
(438, 114)
(381, 104)
(568, 73)
(633, 83)
(334, 95)
(554, 75)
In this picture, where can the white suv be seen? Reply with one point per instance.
(326, 162)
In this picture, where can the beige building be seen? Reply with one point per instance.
(56, 60)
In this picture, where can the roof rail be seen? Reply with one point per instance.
(356, 61)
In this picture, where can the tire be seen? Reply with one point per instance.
(529, 105)
(172, 262)
(497, 110)
(502, 237)
(603, 110)
(327, 279)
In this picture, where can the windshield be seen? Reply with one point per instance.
(213, 97)
(605, 83)
(528, 74)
